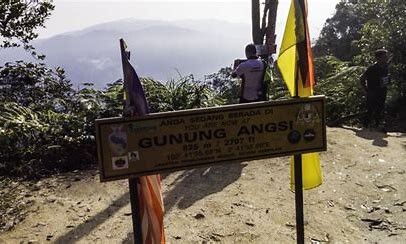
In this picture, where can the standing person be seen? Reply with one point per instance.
(375, 81)
(252, 73)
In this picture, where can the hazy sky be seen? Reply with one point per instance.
(71, 15)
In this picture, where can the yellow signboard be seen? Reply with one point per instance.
(179, 140)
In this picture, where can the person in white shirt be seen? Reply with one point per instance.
(252, 73)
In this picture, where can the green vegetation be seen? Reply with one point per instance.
(46, 125)
(184, 93)
(19, 20)
(346, 47)
(339, 82)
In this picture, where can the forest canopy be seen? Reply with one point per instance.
(346, 46)
(19, 21)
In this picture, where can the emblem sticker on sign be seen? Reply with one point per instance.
(179, 140)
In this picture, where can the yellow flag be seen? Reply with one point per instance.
(295, 63)
(311, 172)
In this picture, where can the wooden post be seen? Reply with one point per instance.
(298, 184)
(133, 188)
(298, 164)
(299, 199)
(256, 29)
(270, 30)
(132, 182)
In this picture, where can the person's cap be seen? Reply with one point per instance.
(380, 52)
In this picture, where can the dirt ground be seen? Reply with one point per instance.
(362, 200)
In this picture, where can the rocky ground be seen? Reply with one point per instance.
(362, 200)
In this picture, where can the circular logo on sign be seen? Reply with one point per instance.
(120, 163)
(294, 137)
(309, 135)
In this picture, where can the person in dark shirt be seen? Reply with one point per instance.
(375, 81)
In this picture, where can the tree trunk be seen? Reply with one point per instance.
(256, 29)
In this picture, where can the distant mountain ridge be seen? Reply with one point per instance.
(159, 49)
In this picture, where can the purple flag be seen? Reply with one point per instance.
(136, 103)
(151, 207)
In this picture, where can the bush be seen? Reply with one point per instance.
(34, 143)
(45, 125)
(180, 94)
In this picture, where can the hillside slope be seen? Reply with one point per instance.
(362, 200)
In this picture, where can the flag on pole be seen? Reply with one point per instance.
(295, 63)
(151, 208)
(135, 101)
